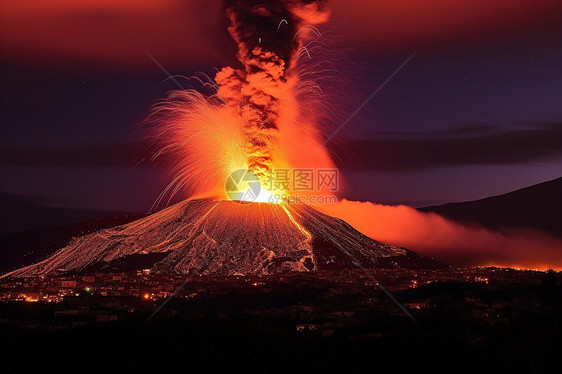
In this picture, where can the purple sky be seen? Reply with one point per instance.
(472, 115)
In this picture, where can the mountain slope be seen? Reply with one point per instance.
(224, 238)
(27, 247)
(537, 207)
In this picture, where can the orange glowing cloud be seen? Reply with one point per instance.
(111, 33)
(383, 24)
(432, 235)
(183, 33)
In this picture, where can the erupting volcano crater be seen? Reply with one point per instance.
(211, 237)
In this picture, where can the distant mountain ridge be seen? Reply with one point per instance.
(24, 248)
(535, 207)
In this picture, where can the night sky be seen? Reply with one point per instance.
(476, 113)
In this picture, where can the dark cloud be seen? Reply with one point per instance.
(389, 151)
(21, 212)
(485, 146)
(467, 129)
(126, 154)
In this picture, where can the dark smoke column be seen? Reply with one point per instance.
(267, 49)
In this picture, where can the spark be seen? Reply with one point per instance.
(308, 27)
(283, 20)
(366, 101)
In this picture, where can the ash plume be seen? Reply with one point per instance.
(269, 35)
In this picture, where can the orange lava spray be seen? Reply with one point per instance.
(258, 117)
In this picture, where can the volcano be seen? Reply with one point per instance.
(215, 238)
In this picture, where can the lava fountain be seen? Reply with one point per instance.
(258, 116)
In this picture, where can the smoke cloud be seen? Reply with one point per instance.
(269, 36)
(432, 235)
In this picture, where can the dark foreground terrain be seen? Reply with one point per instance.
(467, 320)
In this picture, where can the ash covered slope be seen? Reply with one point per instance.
(224, 238)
